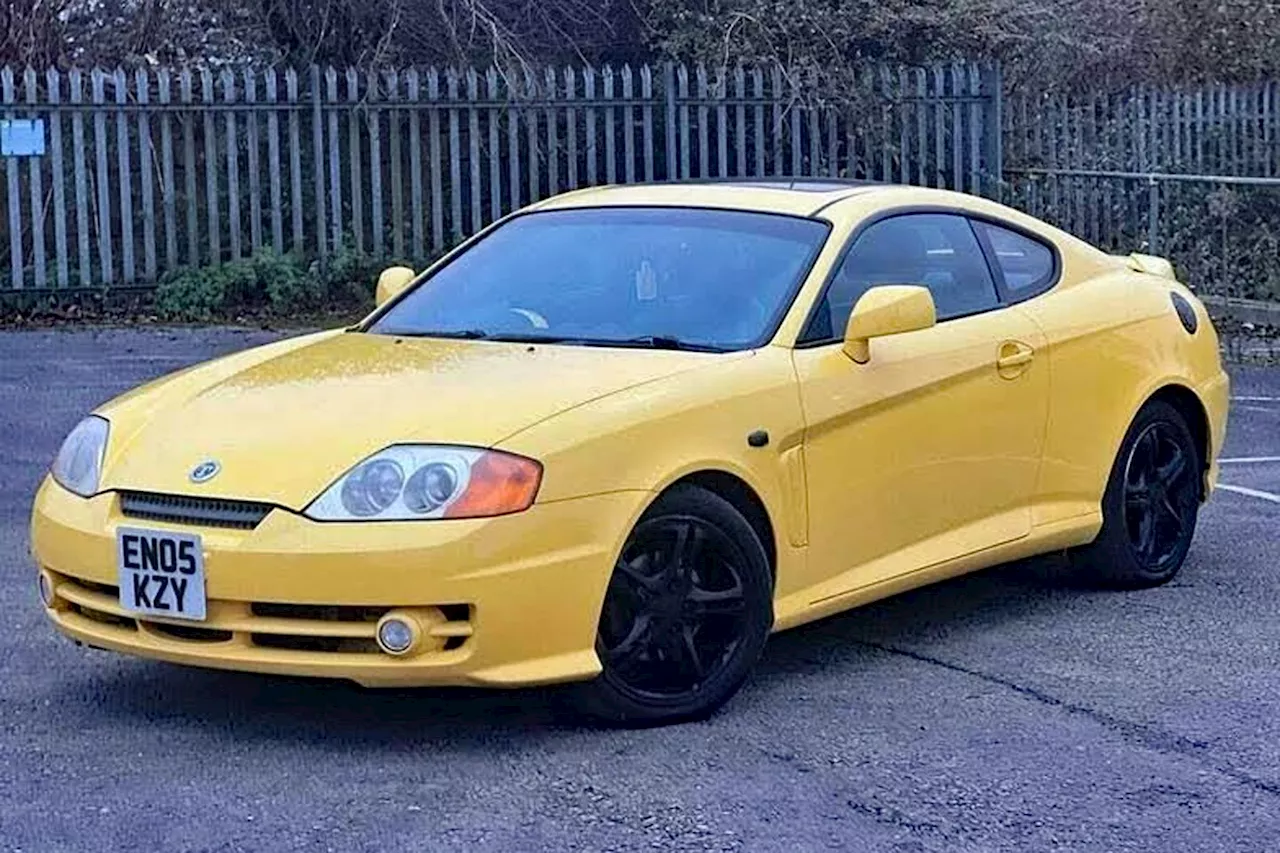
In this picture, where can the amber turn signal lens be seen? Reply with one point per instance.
(500, 484)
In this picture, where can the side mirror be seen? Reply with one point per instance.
(391, 282)
(886, 310)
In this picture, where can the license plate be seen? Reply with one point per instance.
(161, 573)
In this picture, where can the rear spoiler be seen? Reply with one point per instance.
(1150, 264)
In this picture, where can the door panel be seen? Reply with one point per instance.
(927, 452)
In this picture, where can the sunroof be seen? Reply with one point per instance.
(807, 185)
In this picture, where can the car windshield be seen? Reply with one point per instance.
(677, 278)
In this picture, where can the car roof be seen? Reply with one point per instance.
(798, 197)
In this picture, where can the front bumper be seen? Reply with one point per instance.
(508, 601)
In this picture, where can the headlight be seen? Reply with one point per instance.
(79, 463)
(417, 481)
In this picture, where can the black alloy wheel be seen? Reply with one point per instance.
(1160, 496)
(686, 613)
(1150, 506)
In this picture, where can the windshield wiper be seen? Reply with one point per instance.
(655, 342)
(461, 334)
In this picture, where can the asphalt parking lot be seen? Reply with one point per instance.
(1004, 711)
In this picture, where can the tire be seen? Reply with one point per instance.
(1150, 504)
(686, 614)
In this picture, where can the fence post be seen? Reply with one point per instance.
(669, 100)
(317, 140)
(993, 125)
(1153, 215)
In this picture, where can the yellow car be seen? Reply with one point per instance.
(623, 434)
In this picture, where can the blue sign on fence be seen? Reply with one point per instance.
(21, 138)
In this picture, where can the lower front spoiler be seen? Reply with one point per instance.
(370, 669)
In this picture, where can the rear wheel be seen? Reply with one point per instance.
(686, 614)
(1150, 506)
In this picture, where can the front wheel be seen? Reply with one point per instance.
(1150, 505)
(686, 614)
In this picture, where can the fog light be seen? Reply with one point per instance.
(45, 583)
(396, 636)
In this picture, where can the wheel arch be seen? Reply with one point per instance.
(740, 494)
(1192, 408)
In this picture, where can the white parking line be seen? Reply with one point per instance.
(1256, 399)
(1253, 493)
(1245, 460)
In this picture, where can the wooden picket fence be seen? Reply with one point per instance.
(151, 171)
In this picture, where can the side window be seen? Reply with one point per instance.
(1026, 264)
(936, 250)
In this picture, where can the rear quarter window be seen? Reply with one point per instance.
(1027, 265)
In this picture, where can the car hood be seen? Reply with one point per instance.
(286, 421)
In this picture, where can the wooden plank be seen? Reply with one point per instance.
(378, 221)
(531, 130)
(740, 121)
(669, 100)
(795, 118)
(610, 129)
(513, 144)
(317, 168)
(757, 91)
(146, 164)
(416, 210)
(815, 134)
(437, 168)
(273, 163)
(571, 125)
(628, 126)
(396, 166)
(335, 159)
(124, 173)
(169, 186)
(190, 168)
(253, 152)
(682, 93)
(975, 130)
(17, 266)
(922, 127)
(295, 162)
(495, 149)
(553, 132)
(213, 216)
(593, 151)
(886, 125)
(455, 157)
(722, 124)
(700, 76)
(53, 88)
(233, 164)
(833, 142)
(35, 181)
(75, 80)
(938, 100)
(355, 161)
(102, 178)
(646, 94)
(473, 138)
(957, 128)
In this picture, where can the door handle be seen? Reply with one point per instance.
(1013, 358)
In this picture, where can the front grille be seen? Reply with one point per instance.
(203, 512)
(324, 612)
